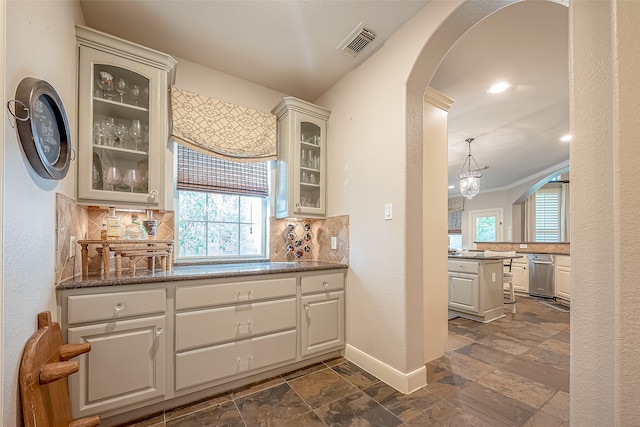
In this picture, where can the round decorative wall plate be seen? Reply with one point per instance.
(43, 128)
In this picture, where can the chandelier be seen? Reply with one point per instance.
(470, 180)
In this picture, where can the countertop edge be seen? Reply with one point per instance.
(185, 273)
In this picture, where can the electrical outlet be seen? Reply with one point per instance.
(72, 246)
(334, 243)
(523, 246)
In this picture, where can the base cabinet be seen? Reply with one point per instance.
(476, 289)
(563, 277)
(520, 271)
(176, 338)
(127, 361)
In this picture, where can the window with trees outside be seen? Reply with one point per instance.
(222, 207)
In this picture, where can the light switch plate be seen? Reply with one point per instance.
(523, 246)
(388, 211)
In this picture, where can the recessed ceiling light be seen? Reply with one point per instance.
(566, 138)
(499, 87)
(451, 186)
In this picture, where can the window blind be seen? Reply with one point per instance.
(548, 215)
(200, 172)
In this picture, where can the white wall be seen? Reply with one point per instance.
(372, 163)
(40, 42)
(205, 81)
(503, 199)
(605, 206)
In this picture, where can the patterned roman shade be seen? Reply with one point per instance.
(217, 128)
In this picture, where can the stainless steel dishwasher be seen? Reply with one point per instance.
(542, 275)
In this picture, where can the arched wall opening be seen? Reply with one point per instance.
(465, 16)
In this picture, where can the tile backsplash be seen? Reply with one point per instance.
(314, 233)
(85, 222)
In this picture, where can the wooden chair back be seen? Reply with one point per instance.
(44, 369)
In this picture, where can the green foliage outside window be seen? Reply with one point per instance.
(220, 225)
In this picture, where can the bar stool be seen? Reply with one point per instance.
(507, 277)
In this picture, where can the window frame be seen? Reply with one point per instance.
(263, 256)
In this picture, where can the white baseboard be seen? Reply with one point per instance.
(404, 383)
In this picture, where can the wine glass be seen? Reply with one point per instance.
(105, 82)
(135, 93)
(108, 127)
(131, 178)
(120, 131)
(135, 131)
(121, 87)
(112, 177)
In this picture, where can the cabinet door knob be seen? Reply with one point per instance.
(326, 285)
(159, 330)
(306, 306)
(119, 306)
(153, 194)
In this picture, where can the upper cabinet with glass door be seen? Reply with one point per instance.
(302, 154)
(123, 121)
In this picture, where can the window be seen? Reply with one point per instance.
(222, 207)
(486, 225)
(548, 214)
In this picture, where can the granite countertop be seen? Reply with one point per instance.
(190, 272)
(482, 257)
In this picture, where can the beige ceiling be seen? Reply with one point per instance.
(290, 46)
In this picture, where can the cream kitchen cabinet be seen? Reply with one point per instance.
(123, 122)
(520, 271)
(563, 277)
(302, 153)
(164, 343)
(322, 323)
(476, 288)
(127, 361)
(246, 327)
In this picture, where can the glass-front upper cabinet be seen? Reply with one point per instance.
(301, 169)
(123, 121)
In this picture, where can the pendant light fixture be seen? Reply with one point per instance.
(470, 180)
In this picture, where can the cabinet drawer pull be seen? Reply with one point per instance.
(247, 323)
(246, 293)
(306, 306)
(245, 359)
(119, 306)
(159, 330)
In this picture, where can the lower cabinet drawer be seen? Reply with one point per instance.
(115, 305)
(214, 363)
(207, 327)
(322, 283)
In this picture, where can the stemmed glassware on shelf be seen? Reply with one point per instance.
(120, 131)
(131, 178)
(135, 93)
(105, 82)
(112, 177)
(121, 88)
(136, 132)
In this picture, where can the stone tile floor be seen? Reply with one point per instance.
(510, 372)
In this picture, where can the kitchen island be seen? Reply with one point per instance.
(476, 285)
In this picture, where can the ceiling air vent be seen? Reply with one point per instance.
(357, 40)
